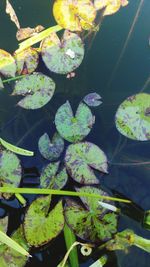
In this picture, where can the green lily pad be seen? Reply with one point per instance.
(74, 128)
(90, 225)
(81, 159)
(52, 177)
(51, 150)
(133, 117)
(38, 218)
(37, 88)
(7, 64)
(4, 224)
(62, 56)
(10, 171)
(10, 257)
(27, 61)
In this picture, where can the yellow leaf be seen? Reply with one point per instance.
(111, 6)
(74, 15)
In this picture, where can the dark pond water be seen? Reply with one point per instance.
(116, 65)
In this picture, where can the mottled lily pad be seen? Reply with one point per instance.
(74, 128)
(62, 56)
(110, 6)
(37, 90)
(93, 100)
(81, 159)
(92, 224)
(10, 257)
(38, 218)
(10, 171)
(52, 177)
(51, 150)
(7, 64)
(27, 61)
(133, 117)
(74, 15)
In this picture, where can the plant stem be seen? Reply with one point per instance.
(13, 79)
(21, 199)
(57, 192)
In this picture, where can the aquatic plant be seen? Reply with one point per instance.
(94, 215)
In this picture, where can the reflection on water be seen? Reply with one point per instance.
(114, 75)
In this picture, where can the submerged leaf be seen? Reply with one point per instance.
(10, 257)
(133, 117)
(38, 217)
(10, 170)
(37, 88)
(27, 61)
(4, 224)
(74, 15)
(11, 12)
(93, 100)
(52, 177)
(74, 128)
(62, 56)
(81, 158)
(89, 224)
(7, 64)
(1, 83)
(51, 150)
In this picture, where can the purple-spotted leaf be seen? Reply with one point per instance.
(38, 218)
(7, 64)
(81, 159)
(10, 257)
(37, 90)
(133, 117)
(62, 56)
(92, 100)
(74, 128)
(10, 171)
(27, 61)
(53, 177)
(51, 150)
(91, 225)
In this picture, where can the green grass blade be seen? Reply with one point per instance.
(57, 192)
(37, 38)
(14, 78)
(21, 199)
(69, 240)
(16, 149)
(5, 239)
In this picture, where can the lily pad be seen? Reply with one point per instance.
(62, 56)
(74, 15)
(81, 159)
(27, 61)
(74, 128)
(37, 88)
(52, 177)
(51, 150)
(7, 64)
(38, 217)
(90, 225)
(110, 6)
(93, 100)
(10, 171)
(133, 117)
(10, 257)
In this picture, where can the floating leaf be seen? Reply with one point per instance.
(24, 33)
(110, 6)
(10, 257)
(10, 170)
(89, 224)
(74, 128)
(4, 224)
(16, 149)
(27, 61)
(51, 150)
(62, 56)
(81, 158)
(37, 88)
(93, 100)
(38, 217)
(52, 177)
(7, 64)
(11, 12)
(133, 117)
(74, 15)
